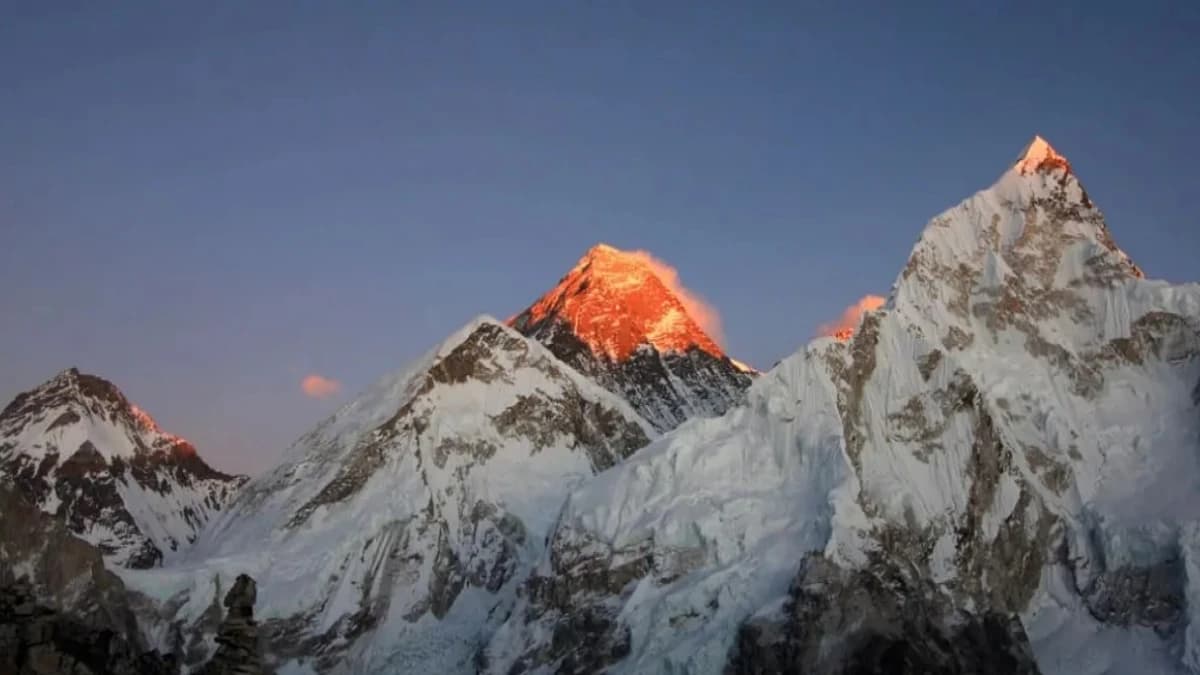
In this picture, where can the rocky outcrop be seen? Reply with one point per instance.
(63, 571)
(64, 613)
(237, 640)
(40, 640)
(878, 620)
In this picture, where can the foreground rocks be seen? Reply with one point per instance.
(39, 640)
(237, 640)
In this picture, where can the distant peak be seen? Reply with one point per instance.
(604, 257)
(66, 375)
(602, 249)
(1040, 156)
(616, 300)
(84, 385)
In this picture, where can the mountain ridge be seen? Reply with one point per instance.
(407, 517)
(975, 463)
(990, 472)
(79, 449)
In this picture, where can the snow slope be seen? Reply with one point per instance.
(78, 449)
(1016, 431)
(392, 536)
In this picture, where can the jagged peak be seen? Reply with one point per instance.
(78, 386)
(1039, 155)
(88, 396)
(608, 265)
(466, 331)
(1036, 223)
(616, 300)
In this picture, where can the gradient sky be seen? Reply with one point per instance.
(207, 202)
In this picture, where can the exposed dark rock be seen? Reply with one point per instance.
(661, 387)
(39, 640)
(878, 620)
(1150, 596)
(65, 572)
(237, 640)
(66, 613)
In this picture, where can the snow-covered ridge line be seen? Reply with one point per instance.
(408, 517)
(78, 449)
(1006, 445)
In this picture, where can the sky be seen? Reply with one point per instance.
(243, 213)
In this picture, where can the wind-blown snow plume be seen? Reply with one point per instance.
(319, 386)
(703, 313)
(844, 326)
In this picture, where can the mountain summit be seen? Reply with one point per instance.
(396, 532)
(622, 318)
(1039, 156)
(994, 474)
(615, 301)
(78, 449)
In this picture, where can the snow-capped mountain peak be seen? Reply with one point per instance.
(623, 318)
(78, 449)
(1040, 156)
(397, 530)
(75, 403)
(995, 468)
(616, 300)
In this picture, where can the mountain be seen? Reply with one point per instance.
(76, 448)
(61, 610)
(995, 473)
(615, 319)
(392, 536)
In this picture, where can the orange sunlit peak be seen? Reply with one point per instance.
(1040, 155)
(147, 423)
(615, 300)
(843, 328)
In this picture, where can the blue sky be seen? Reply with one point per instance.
(205, 202)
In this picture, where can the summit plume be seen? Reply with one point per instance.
(994, 474)
(616, 301)
(624, 319)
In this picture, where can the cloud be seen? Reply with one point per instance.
(319, 386)
(704, 314)
(845, 325)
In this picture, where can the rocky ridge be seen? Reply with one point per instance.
(78, 449)
(997, 456)
(393, 535)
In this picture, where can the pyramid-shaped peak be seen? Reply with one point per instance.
(78, 385)
(1039, 155)
(615, 300)
(603, 250)
(605, 256)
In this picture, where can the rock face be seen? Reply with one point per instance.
(237, 641)
(994, 472)
(38, 640)
(78, 449)
(392, 537)
(877, 620)
(61, 611)
(614, 319)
